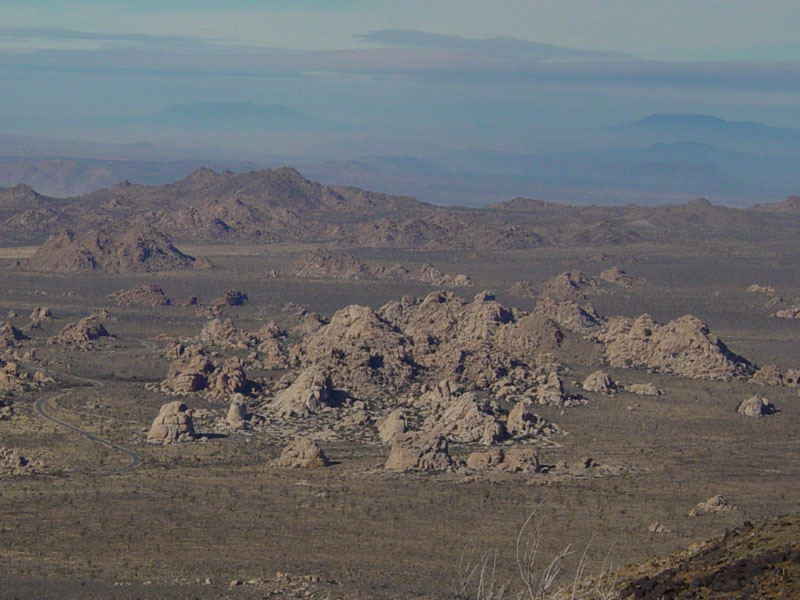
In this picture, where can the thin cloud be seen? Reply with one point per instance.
(406, 54)
(489, 46)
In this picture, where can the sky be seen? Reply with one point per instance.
(419, 76)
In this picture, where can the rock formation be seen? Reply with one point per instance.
(644, 389)
(321, 264)
(599, 382)
(683, 347)
(146, 294)
(81, 333)
(756, 406)
(467, 419)
(761, 289)
(173, 424)
(416, 451)
(569, 285)
(236, 417)
(138, 249)
(305, 396)
(617, 276)
(392, 425)
(40, 315)
(715, 504)
(193, 371)
(12, 462)
(302, 453)
(10, 336)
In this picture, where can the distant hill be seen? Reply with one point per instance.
(744, 136)
(281, 205)
(236, 116)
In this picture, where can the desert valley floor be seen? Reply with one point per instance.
(192, 518)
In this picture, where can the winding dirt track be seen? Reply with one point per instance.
(135, 459)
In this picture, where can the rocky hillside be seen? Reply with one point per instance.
(747, 562)
(275, 205)
(139, 249)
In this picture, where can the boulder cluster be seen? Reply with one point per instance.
(146, 294)
(81, 334)
(321, 264)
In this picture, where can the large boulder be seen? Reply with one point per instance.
(416, 451)
(305, 396)
(392, 425)
(302, 453)
(756, 406)
(599, 382)
(173, 424)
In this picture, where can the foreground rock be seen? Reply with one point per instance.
(756, 406)
(146, 294)
(302, 453)
(417, 451)
(172, 425)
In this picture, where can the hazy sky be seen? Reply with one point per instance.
(508, 74)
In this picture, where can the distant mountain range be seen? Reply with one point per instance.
(744, 136)
(234, 116)
(661, 158)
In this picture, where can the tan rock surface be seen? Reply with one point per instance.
(173, 424)
(417, 451)
(302, 453)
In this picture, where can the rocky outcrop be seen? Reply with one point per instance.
(617, 276)
(682, 347)
(569, 315)
(756, 406)
(321, 264)
(309, 392)
(236, 417)
(774, 376)
(302, 453)
(524, 422)
(417, 451)
(223, 334)
(173, 424)
(147, 294)
(569, 285)
(392, 425)
(363, 352)
(600, 383)
(13, 463)
(644, 389)
(467, 419)
(14, 379)
(192, 371)
(6, 409)
(715, 504)
(39, 316)
(139, 249)
(767, 290)
(10, 336)
(81, 334)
